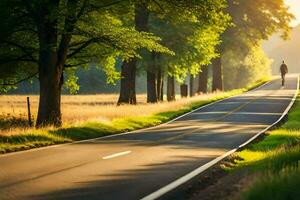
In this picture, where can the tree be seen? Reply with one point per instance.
(127, 90)
(191, 86)
(48, 37)
(245, 71)
(170, 88)
(155, 17)
(217, 82)
(192, 36)
(127, 86)
(253, 21)
(202, 80)
(160, 80)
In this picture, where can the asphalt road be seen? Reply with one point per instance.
(134, 165)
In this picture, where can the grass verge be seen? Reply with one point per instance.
(274, 162)
(33, 138)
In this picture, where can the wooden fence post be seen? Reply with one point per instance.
(29, 113)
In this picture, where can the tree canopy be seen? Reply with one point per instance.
(253, 22)
(52, 39)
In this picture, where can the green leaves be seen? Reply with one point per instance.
(257, 20)
(109, 67)
(244, 61)
(99, 31)
(193, 35)
(185, 34)
(71, 82)
(242, 70)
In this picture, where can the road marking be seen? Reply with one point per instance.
(116, 155)
(187, 177)
(171, 186)
(226, 114)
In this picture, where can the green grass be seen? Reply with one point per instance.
(276, 160)
(28, 140)
(33, 138)
(280, 187)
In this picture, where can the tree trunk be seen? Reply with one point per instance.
(160, 85)
(162, 90)
(170, 89)
(51, 62)
(49, 112)
(128, 71)
(217, 75)
(127, 89)
(184, 90)
(151, 87)
(203, 78)
(192, 86)
(161, 97)
(52, 59)
(151, 80)
(142, 17)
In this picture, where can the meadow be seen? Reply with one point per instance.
(81, 108)
(75, 108)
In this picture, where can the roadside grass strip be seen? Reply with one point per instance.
(280, 187)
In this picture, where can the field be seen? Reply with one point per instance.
(75, 108)
(81, 108)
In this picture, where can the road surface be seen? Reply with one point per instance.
(134, 165)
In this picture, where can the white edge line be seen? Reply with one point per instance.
(186, 177)
(116, 155)
(126, 133)
(279, 120)
(162, 191)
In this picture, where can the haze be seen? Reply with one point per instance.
(295, 9)
(278, 49)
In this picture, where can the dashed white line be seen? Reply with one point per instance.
(116, 155)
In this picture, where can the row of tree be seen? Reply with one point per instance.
(165, 38)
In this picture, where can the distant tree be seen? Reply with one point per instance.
(129, 67)
(193, 40)
(161, 17)
(253, 21)
(241, 71)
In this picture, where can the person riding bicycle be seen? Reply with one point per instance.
(283, 71)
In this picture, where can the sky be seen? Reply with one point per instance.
(295, 9)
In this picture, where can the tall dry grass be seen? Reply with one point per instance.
(80, 108)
